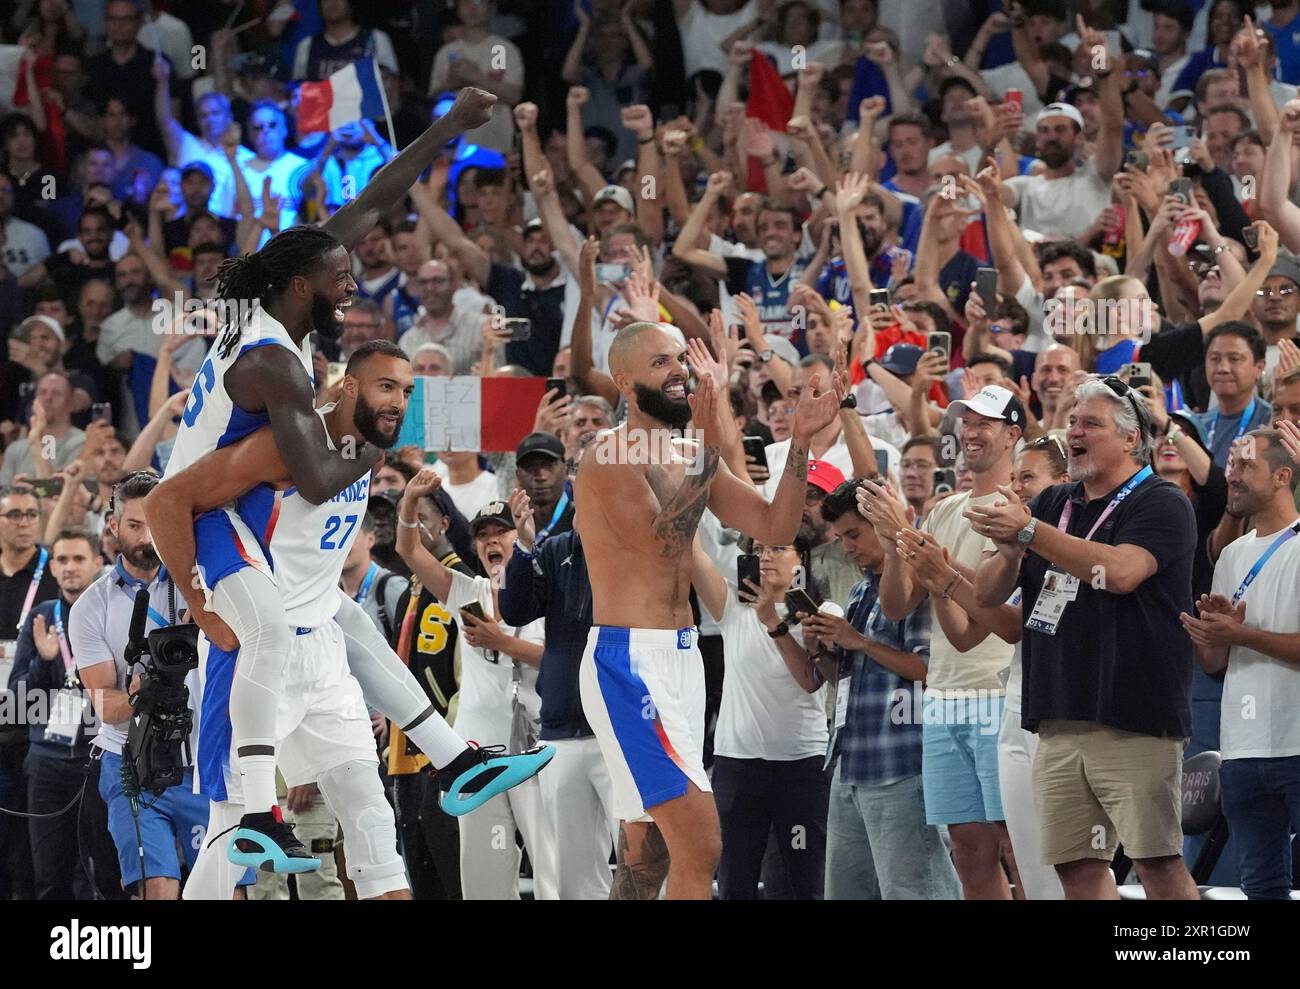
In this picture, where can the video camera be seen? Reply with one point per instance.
(158, 739)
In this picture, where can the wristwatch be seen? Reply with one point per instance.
(780, 630)
(766, 355)
(1026, 535)
(850, 401)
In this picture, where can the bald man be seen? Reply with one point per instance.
(1052, 372)
(642, 678)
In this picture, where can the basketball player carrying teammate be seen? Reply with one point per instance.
(642, 677)
(323, 731)
(259, 374)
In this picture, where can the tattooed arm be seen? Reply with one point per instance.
(642, 863)
(739, 505)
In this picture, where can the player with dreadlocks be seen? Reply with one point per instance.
(260, 374)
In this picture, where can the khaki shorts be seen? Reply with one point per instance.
(1095, 787)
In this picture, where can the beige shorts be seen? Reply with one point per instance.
(1096, 787)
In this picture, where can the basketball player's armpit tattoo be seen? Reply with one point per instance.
(797, 462)
(677, 520)
(641, 870)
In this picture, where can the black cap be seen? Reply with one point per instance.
(544, 443)
(493, 511)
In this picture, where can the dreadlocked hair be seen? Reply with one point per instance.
(265, 274)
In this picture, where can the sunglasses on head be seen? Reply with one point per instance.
(1121, 388)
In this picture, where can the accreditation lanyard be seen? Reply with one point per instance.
(1124, 492)
(555, 516)
(64, 650)
(364, 592)
(1285, 536)
(1241, 426)
(31, 590)
(126, 579)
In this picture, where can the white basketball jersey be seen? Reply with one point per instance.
(308, 544)
(211, 419)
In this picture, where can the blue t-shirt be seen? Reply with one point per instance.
(1222, 430)
(1287, 41)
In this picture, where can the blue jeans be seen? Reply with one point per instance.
(878, 846)
(1261, 799)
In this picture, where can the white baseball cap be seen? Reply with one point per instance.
(1059, 110)
(616, 193)
(993, 402)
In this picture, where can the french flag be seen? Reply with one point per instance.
(351, 93)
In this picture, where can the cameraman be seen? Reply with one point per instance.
(99, 627)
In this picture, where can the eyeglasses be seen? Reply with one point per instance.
(1283, 292)
(1121, 388)
(18, 515)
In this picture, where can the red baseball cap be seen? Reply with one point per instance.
(824, 475)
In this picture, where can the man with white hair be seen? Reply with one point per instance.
(1107, 666)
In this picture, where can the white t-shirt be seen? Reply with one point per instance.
(765, 714)
(124, 330)
(979, 668)
(1063, 207)
(703, 31)
(1013, 76)
(499, 60)
(26, 246)
(194, 148)
(98, 627)
(282, 172)
(836, 456)
(469, 498)
(173, 35)
(1261, 695)
(484, 711)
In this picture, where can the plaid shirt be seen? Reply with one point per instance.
(880, 742)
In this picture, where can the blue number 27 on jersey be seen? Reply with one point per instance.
(332, 539)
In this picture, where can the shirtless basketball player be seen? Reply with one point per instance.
(642, 677)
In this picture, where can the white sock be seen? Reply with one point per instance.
(257, 777)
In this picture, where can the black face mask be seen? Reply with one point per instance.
(657, 405)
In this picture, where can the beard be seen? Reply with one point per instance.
(544, 266)
(366, 418)
(654, 403)
(322, 318)
(1081, 472)
(870, 239)
(143, 557)
(1055, 156)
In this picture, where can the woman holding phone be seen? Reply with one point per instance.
(770, 743)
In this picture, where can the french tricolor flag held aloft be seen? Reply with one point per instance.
(351, 93)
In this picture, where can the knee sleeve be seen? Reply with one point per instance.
(355, 796)
(249, 602)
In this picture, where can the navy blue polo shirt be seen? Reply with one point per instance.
(544, 307)
(1121, 660)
